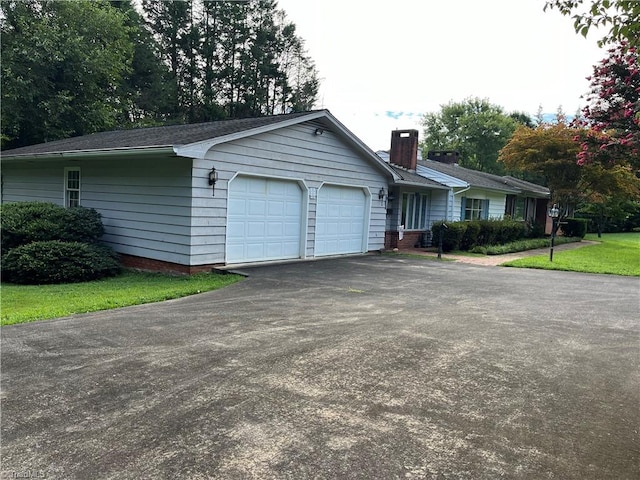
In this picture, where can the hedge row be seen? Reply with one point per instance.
(467, 235)
(46, 243)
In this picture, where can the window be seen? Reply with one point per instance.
(475, 209)
(520, 210)
(414, 211)
(72, 187)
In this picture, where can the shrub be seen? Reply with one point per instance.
(470, 237)
(25, 222)
(488, 234)
(574, 227)
(510, 231)
(535, 230)
(56, 261)
(451, 236)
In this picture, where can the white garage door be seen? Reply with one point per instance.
(340, 221)
(264, 219)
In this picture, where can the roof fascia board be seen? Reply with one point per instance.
(501, 190)
(421, 185)
(112, 152)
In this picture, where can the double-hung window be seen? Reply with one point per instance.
(414, 211)
(475, 209)
(72, 187)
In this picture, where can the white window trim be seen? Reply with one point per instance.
(423, 215)
(66, 186)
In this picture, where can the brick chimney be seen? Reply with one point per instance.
(404, 148)
(450, 157)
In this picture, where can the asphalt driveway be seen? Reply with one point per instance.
(369, 367)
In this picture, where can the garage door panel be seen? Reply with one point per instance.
(340, 224)
(265, 218)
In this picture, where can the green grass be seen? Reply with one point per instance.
(26, 303)
(616, 254)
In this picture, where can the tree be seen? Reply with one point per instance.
(146, 86)
(613, 111)
(62, 65)
(621, 16)
(609, 137)
(550, 151)
(473, 127)
(232, 59)
(171, 23)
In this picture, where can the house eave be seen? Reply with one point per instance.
(420, 185)
(107, 152)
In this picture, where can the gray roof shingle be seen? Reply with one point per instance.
(169, 135)
(526, 186)
(472, 177)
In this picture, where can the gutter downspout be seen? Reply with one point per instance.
(468, 187)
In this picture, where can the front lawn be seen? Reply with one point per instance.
(26, 303)
(616, 254)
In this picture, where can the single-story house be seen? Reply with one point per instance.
(189, 197)
(456, 193)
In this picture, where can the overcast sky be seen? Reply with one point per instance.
(383, 64)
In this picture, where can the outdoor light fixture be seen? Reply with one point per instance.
(553, 212)
(213, 178)
(381, 194)
(318, 131)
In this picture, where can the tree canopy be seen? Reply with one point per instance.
(548, 150)
(475, 128)
(62, 64)
(612, 115)
(622, 17)
(72, 68)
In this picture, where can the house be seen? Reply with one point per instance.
(188, 197)
(456, 193)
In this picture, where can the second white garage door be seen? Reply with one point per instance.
(340, 220)
(264, 219)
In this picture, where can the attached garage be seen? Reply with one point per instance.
(187, 198)
(265, 219)
(342, 220)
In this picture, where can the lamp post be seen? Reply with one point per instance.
(553, 213)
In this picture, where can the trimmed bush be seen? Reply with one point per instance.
(451, 237)
(488, 234)
(470, 237)
(25, 222)
(58, 262)
(574, 227)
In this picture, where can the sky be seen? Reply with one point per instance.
(382, 65)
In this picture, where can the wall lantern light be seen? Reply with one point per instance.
(318, 131)
(213, 178)
(381, 194)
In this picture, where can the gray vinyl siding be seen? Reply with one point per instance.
(33, 182)
(289, 153)
(438, 206)
(144, 202)
(145, 205)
